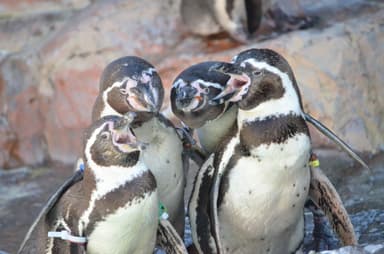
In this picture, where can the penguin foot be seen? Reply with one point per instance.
(322, 237)
(285, 23)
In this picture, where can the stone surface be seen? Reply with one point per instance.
(51, 64)
(23, 7)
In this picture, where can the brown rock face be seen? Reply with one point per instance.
(48, 84)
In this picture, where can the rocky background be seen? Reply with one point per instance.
(52, 53)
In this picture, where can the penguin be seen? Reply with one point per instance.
(131, 84)
(196, 85)
(190, 94)
(200, 189)
(113, 209)
(264, 165)
(240, 19)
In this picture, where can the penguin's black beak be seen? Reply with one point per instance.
(236, 85)
(146, 98)
(185, 96)
(123, 136)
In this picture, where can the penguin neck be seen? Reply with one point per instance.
(110, 178)
(284, 106)
(211, 133)
(288, 104)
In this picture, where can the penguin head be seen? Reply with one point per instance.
(131, 84)
(191, 91)
(259, 76)
(110, 141)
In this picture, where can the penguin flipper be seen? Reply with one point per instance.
(324, 194)
(199, 209)
(168, 239)
(52, 201)
(332, 136)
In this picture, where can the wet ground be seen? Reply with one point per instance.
(24, 191)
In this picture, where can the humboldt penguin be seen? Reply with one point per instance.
(131, 84)
(113, 209)
(239, 18)
(263, 169)
(199, 203)
(190, 94)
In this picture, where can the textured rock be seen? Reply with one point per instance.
(58, 78)
(338, 69)
(48, 84)
(11, 7)
(369, 249)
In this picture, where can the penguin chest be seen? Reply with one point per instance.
(163, 156)
(263, 203)
(129, 229)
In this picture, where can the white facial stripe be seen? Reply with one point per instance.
(150, 71)
(108, 110)
(192, 106)
(179, 83)
(107, 178)
(288, 104)
(234, 59)
(209, 84)
(146, 75)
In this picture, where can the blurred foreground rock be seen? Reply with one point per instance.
(48, 83)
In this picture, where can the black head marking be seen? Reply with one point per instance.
(191, 92)
(106, 144)
(271, 58)
(137, 83)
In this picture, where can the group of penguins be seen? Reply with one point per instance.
(256, 167)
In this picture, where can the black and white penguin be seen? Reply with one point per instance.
(264, 166)
(131, 84)
(114, 209)
(250, 147)
(190, 94)
(239, 18)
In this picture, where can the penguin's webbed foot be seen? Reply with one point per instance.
(322, 237)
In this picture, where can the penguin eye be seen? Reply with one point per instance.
(105, 135)
(206, 90)
(124, 91)
(257, 72)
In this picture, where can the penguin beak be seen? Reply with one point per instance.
(123, 137)
(144, 99)
(236, 86)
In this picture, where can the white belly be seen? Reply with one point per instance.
(163, 157)
(131, 230)
(263, 208)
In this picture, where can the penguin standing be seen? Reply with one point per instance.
(239, 18)
(114, 209)
(264, 166)
(130, 84)
(189, 100)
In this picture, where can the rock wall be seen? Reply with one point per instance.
(52, 57)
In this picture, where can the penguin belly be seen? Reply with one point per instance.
(262, 208)
(130, 229)
(163, 156)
